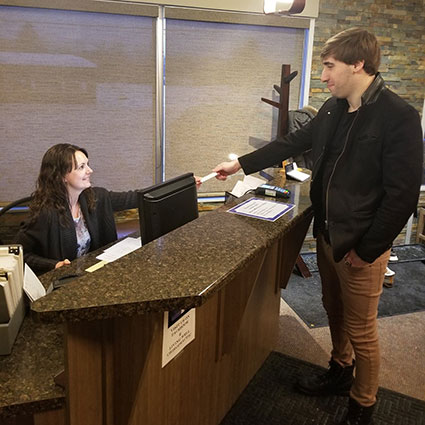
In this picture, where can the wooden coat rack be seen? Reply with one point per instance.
(282, 130)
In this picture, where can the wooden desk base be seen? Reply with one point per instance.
(114, 366)
(114, 369)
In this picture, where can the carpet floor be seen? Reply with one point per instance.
(270, 399)
(407, 295)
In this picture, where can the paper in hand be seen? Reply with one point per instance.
(208, 176)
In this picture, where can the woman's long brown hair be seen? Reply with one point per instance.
(51, 192)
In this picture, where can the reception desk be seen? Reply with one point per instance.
(228, 267)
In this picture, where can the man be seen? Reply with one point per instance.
(367, 152)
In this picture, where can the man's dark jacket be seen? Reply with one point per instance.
(46, 241)
(375, 182)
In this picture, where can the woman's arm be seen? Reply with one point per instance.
(123, 200)
(34, 238)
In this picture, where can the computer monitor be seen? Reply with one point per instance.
(166, 206)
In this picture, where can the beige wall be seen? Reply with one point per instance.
(250, 6)
(311, 9)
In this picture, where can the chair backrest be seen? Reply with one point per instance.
(296, 120)
(11, 217)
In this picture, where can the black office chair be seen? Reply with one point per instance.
(10, 220)
(296, 120)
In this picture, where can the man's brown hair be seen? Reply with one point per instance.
(354, 45)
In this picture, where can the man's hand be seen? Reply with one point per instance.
(226, 169)
(65, 262)
(352, 259)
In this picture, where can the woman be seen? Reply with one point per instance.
(68, 217)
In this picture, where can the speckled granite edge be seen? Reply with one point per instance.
(116, 310)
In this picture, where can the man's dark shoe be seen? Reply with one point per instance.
(357, 414)
(337, 380)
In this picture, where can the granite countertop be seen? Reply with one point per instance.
(26, 375)
(179, 270)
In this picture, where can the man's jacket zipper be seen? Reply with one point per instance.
(333, 171)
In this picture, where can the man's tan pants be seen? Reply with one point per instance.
(350, 297)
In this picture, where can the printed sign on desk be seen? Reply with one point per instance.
(262, 209)
(178, 332)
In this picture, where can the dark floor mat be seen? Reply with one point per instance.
(414, 252)
(409, 252)
(310, 260)
(270, 399)
(407, 295)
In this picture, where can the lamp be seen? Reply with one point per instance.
(284, 7)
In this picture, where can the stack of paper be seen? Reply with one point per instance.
(32, 285)
(120, 249)
(245, 185)
(297, 174)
